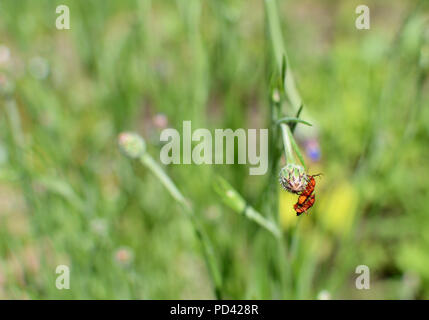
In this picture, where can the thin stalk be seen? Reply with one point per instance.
(151, 164)
(281, 54)
(295, 241)
(270, 195)
(290, 158)
(237, 203)
(202, 237)
(255, 216)
(296, 149)
(289, 144)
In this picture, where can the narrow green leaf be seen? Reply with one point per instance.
(293, 120)
(293, 126)
(284, 70)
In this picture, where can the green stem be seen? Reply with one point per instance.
(252, 214)
(237, 203)
(289, 144)
(290, 158)
(202, 237)
(280, 53)
(151, 164)
(295, 241)
(289, 82)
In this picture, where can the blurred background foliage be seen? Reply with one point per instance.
(67, 195)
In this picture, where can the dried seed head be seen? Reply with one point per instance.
(131, 144)
(293, 178)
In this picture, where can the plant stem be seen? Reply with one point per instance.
(290, 89)
(252, 214)
(151, 164)
(295, 241)
(280, 52)
(237, 203)
(289, 144)
(202, 237)
(290, 158)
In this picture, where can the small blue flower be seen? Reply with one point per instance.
(312, 149)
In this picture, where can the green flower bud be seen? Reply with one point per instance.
(276, 96)
(293, 178)
(131, 144)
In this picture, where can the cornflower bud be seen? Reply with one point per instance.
(131, 144)
(293, 178)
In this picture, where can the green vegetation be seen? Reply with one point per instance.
(355, 109)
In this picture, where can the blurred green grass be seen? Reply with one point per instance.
(67, 196)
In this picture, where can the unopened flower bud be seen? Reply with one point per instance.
(124, 256)
(131, 144)
(276, 96)
(293, 178)
(160, 121)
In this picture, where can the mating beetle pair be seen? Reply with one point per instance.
(300, 183)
